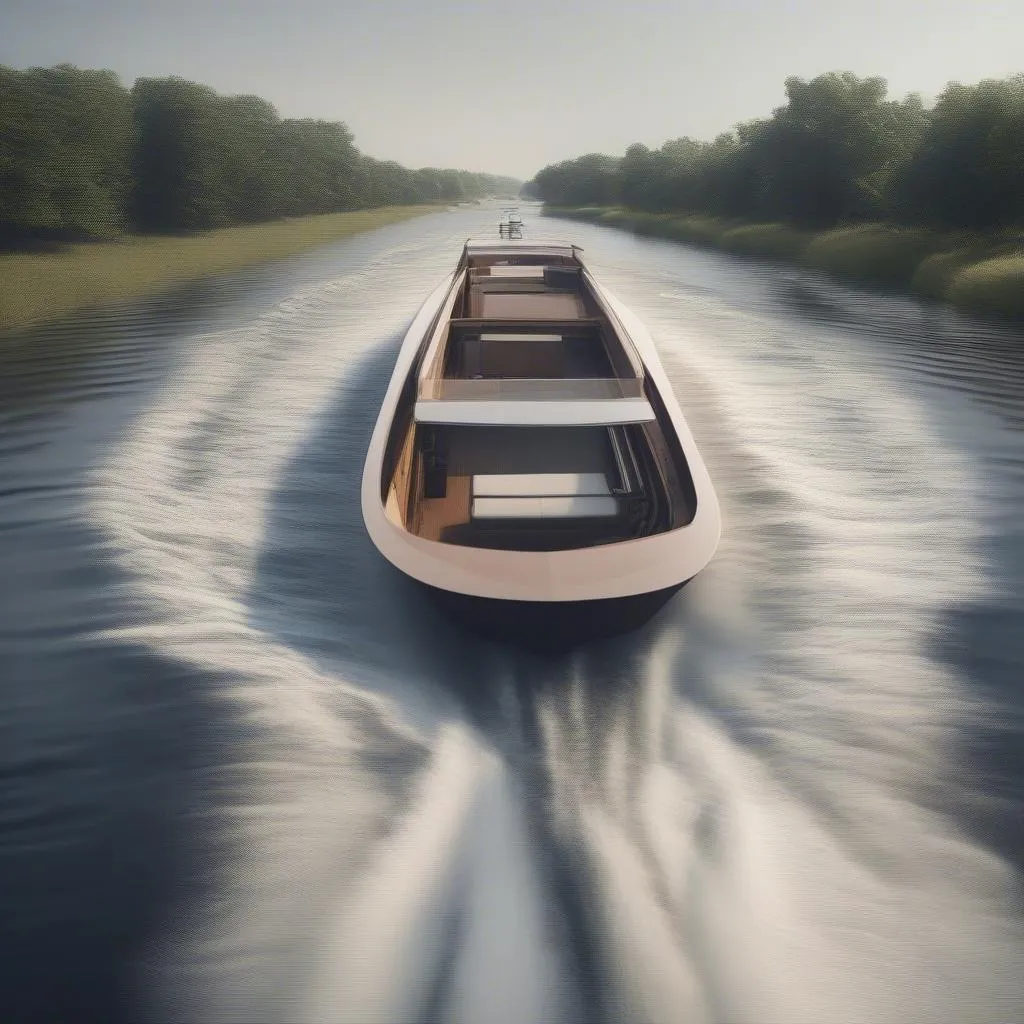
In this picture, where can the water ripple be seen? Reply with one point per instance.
(250, 774)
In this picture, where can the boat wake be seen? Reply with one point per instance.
(752, 810)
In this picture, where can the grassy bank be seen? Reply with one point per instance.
(36, 287)
(981, 274)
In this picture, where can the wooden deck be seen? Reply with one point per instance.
(526, 305)
(538, 562)
(511, 450)
(526, 336)
(435, 515)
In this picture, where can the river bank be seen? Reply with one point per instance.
(37, 287)
(978, 273)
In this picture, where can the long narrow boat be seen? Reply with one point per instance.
(530, 462)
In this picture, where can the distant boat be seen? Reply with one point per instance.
(510, 225)
(530, 462)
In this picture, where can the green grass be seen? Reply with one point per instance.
(991, 286)
(935, 273)
(697, 230)
(616, 216)
(577, 212)
(873, 253)
(979, 273)
(779, 240)
(644, 223)
(37, 287)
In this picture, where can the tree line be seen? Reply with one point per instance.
(82, 157)
(838, 151)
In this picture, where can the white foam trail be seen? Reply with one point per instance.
(779, 862)
(751, 811)
(510, 968)
(383, 952)
(296, 808)
(649, 976)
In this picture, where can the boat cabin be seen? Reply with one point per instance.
(528, 422)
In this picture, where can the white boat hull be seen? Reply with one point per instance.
(653, 565)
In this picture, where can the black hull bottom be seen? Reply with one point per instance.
(551, 627)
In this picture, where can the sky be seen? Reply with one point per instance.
(510, 87)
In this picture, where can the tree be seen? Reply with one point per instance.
(969, 168)
(80, 156)
(179, 168)
(65, 138)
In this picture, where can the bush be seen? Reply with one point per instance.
(695, 230)
(991, 286)
(574, 212)
(873, 253)
(766, 240)
(933, 277)
(615, 218)
(646, 223)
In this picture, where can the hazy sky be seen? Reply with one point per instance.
(510, 87)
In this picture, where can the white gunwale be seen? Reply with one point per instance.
(621, 569)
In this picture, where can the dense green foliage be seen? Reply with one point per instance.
(874, 253)
(65, 152)
(837, 152)
(995, 285)
(765, 240)
(980, 271)
(82, 157)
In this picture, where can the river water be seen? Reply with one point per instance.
(251, 775)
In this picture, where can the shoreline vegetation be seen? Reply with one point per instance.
(108, 192)
(978, 273)
(842, 177)
(39, 287)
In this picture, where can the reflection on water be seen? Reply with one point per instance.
(251, 775)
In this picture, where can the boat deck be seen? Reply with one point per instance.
(527, 293)
(528, 450)
(533, 305)
(568, 354)
(477, 451)
(530, 421)
(541, 488)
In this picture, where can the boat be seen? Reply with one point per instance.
(511, 225)
(530, 464)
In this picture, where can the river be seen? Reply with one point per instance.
(251, 775)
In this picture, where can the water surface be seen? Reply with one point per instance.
(251, 775)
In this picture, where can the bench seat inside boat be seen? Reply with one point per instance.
(513, 272)
(552, 507)
(539, 485)
(541, 496)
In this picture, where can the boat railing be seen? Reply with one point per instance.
(448, 389)
(430, 363)
(627, 342)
